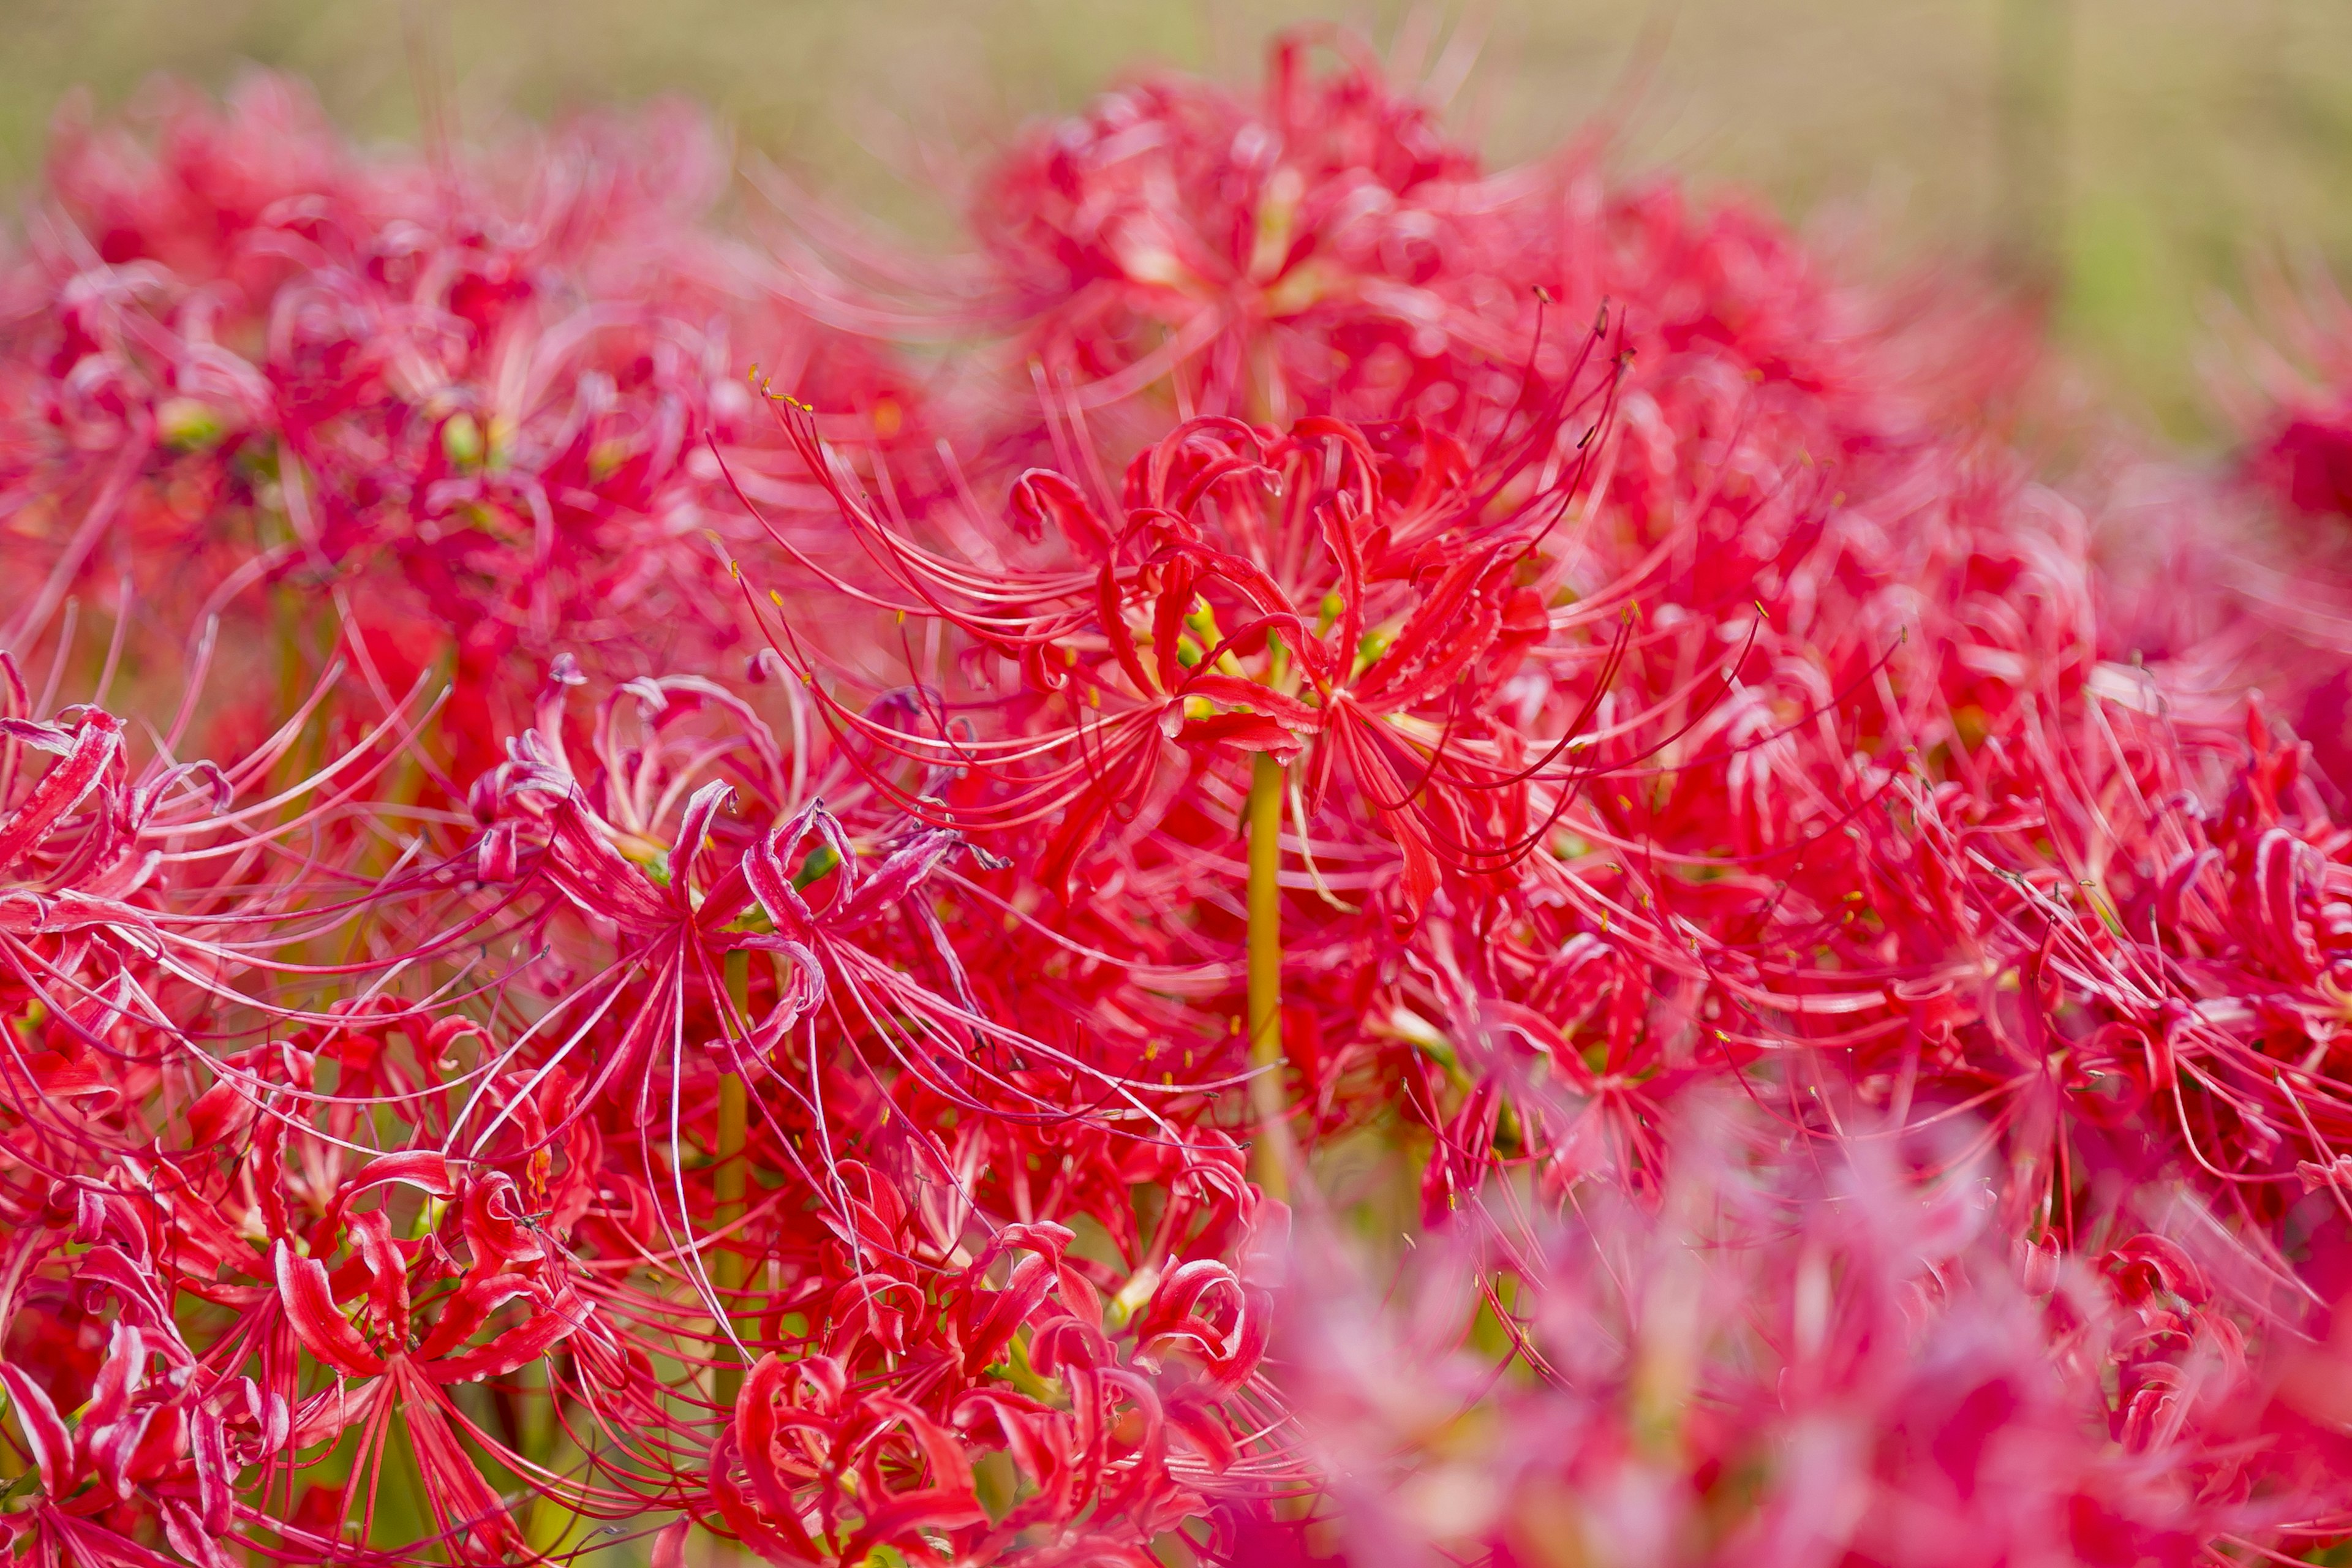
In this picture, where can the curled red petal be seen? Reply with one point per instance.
(310, 1308)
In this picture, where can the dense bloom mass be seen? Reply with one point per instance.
(1424, 865)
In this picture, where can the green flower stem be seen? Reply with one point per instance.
(1272, 1155)
(726, 1185)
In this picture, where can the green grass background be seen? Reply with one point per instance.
(2179, 143)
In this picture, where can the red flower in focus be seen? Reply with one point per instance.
(1363, 604)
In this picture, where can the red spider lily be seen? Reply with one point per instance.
(145, 1437)
(725, 884)
(1323, 248)
(2265, 548)
(1095, 1474)
(409, 1367)
(140, 903)
(2223, 584)
(2289, 400)
(1375, 614)
(1306, 254)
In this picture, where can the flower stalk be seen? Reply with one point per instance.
(1272, 1155)
(726, 1269)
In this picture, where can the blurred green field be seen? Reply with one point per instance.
(2157, 150)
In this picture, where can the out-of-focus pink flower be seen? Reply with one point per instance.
(1794, 1360)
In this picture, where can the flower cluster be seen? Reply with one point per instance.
(855, 959)
(248, 371)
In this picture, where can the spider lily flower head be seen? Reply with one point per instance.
(2120, 956)
(689, 836)
(154, 924)
(972, 1386)
(2287, 395)
(148, 912)
(2195, 993)
(670, 856)
(150, 1452)
(877, 1116)
(645, 843)
(1097, 1447)
(448, 1282)
(1315, 251)
(2128, 995)
(2306, 459)
(1355, 594)
(401, 1362)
